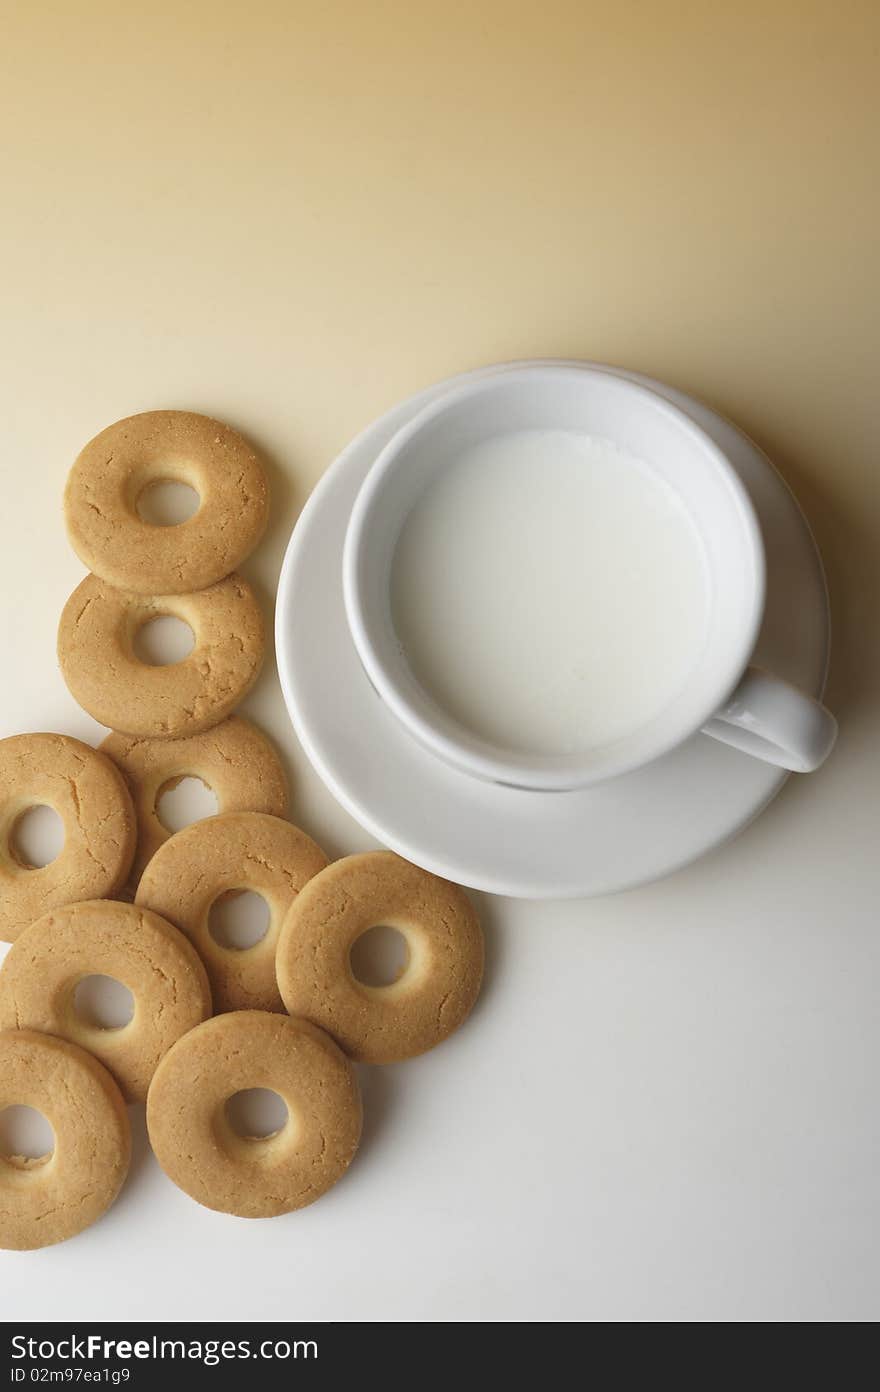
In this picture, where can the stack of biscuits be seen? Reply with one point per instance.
(127, 900)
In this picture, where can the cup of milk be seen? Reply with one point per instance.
(553, 576)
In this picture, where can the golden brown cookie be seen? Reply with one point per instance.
(159, 966)
(234, 759)
(90, 796)
(438, 985)
(217, 857)
(48, 1200)
(114, 469)
(254, 1178)
(98, 662)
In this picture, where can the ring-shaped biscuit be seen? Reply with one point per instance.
(440, 980)
(157, 964)
(254, 1177)
(53, 1198)
(220, 856)
(234, 759)
(90, 796)
(98, 661)
(115, 468)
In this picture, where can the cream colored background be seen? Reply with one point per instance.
(290, 215)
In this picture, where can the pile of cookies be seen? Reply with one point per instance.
(210, 1020)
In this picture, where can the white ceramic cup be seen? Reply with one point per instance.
(724, 696)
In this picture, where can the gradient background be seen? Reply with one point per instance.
(290, 215)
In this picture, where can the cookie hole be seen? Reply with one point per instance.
(379, 957)
(256, 1114)
(238, 920)
(182, 801)
(26, 1137)
(37, 837)
(163, 640)
(167, 503)
(102, 1002)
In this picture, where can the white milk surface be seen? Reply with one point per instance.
(549, 591)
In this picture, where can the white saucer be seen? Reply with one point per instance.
(532, 845)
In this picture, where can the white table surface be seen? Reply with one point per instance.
(665, 1105)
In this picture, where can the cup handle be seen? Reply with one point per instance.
(775, 721)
